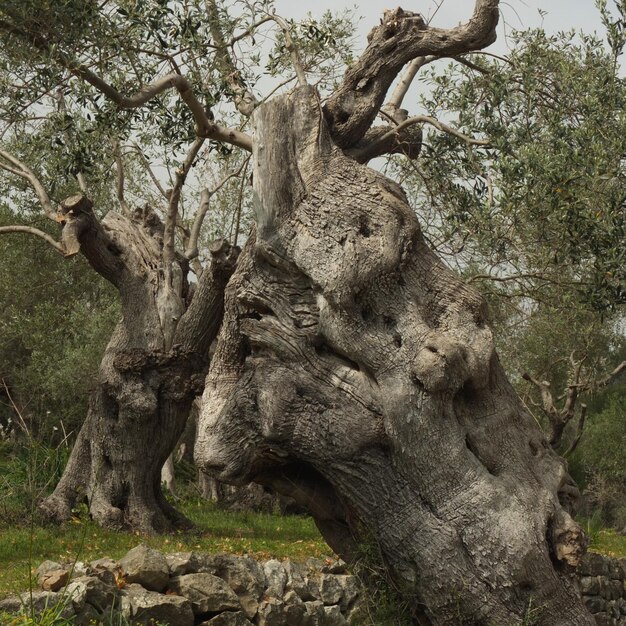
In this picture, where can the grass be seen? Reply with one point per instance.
(609, 542)
(260, 535)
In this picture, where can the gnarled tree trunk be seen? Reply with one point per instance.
(357, 374)
(152, 370)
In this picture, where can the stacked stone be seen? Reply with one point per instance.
(603, 587)
(196, 589)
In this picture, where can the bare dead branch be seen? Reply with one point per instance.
(34, 231)
(401, 37)
(579, 430)
(395, 102)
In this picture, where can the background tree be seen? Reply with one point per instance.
(68, 123)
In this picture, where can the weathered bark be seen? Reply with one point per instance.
(152, 370)
(357, 374)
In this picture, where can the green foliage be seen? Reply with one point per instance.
(544, 201)
(57, 316)
(600, 459)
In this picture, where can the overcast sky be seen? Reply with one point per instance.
(515, 14)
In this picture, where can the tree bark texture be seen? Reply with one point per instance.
(357, 374)
(152, 370)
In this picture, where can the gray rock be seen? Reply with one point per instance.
(594, 604)
(590, 585)
(147, 567)
(244, 575)
(333, 616)
(336, 566)
(229, 618)
(294, 608)
(89, 616)
(206, 592)
(80, 569)
(41, 600)
(315, 614)
(298, 581)
(104, 564)
(276, 578)
(603, 619)
(179, 563)
(331, 591)
(140, 606)
(593, 564)
(351, 591)
(93, 591)
(271, 613)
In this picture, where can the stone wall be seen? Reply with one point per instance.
(603, 586)
(196, 589)
(193, 589)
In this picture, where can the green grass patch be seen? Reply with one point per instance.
(260, 535)
(609, 542)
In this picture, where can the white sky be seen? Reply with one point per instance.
(515, 14)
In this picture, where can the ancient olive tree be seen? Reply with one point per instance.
(354, 371)
(357, 374)
(155, 362)
(70, 130)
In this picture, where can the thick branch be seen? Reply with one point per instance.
(380, 140)
(395, 102)
(296, 61)
(400, 38)
(82, 231)
(579, 430)
(20, 169)
(244, 99)
(34, 231)
(199, 324)
(119, 167)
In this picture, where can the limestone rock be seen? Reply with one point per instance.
(331, 591)
(276, 578)
(93, 591)
(271, 613)
(294, 609)
(179, 563)
(147, 567)
(244, 575)
(41, 600)
(315, 614)
(333, 616)
(229, 618)
(140, 606)
(206, 592)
